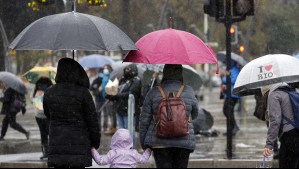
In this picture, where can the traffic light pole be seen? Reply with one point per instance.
(228, 24)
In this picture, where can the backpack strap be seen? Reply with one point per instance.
(290, 91)
(161, 91)
(181, 90)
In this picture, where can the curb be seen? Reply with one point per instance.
(201, 163)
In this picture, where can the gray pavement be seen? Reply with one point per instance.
(210, 151)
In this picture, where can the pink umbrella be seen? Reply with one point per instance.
(171, 46)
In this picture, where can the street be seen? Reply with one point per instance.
(248, 143)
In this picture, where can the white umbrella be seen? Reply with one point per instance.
(266, 70)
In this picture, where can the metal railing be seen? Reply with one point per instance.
(131, 112)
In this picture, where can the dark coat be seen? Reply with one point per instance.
(8, 100)
(132, 85)
(74, 127)
(148, 131)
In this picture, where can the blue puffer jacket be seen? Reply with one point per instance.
(234, 75)
(147, 127)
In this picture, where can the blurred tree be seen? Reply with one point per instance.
(22, 15)
(284, 36)
(274, 28)
(2, 55)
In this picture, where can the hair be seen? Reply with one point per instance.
(109, 67)
(173, 72)
(42, 80)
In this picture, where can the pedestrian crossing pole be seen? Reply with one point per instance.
(228, 12)
(228, 24)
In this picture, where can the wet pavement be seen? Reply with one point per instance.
(248, 143)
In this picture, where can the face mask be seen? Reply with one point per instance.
(160, 77)
(101, 75)
(106, 72)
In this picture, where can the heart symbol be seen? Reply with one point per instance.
(268, 68)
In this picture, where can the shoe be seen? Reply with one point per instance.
(28, 135)
(45, 150)
(44, 157)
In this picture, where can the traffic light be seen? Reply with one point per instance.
(241, 48)
(243, 8)
(234, 34)
(214, 8)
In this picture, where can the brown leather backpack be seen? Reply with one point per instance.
(171, 118)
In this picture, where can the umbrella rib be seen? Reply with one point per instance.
(90, 18)
(57, 35)
(181, 37)
(160, 36)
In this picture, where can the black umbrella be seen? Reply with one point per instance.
(13, 81)
(118, 70)
(72, 31)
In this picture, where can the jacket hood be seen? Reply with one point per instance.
(70, 71)
(134, 69)
(121, 140)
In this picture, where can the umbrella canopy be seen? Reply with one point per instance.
(13, 82)
(190, 75)
(235, 57)
(171, 46)
(266, 70)
(95, 61)
(118, 70)
(72, 31)
(35, 73)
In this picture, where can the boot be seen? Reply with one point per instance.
(45, 151)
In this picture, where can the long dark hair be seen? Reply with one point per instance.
(42, 84)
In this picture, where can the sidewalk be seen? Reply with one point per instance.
(29, 160)
(210, 151)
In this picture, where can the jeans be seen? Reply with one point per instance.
(171, 157)
(123, 121)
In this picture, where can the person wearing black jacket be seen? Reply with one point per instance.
(74, 126)
(129, 84)
(10, 112)
(43, 123)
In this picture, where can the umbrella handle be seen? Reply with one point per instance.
(152, 85)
